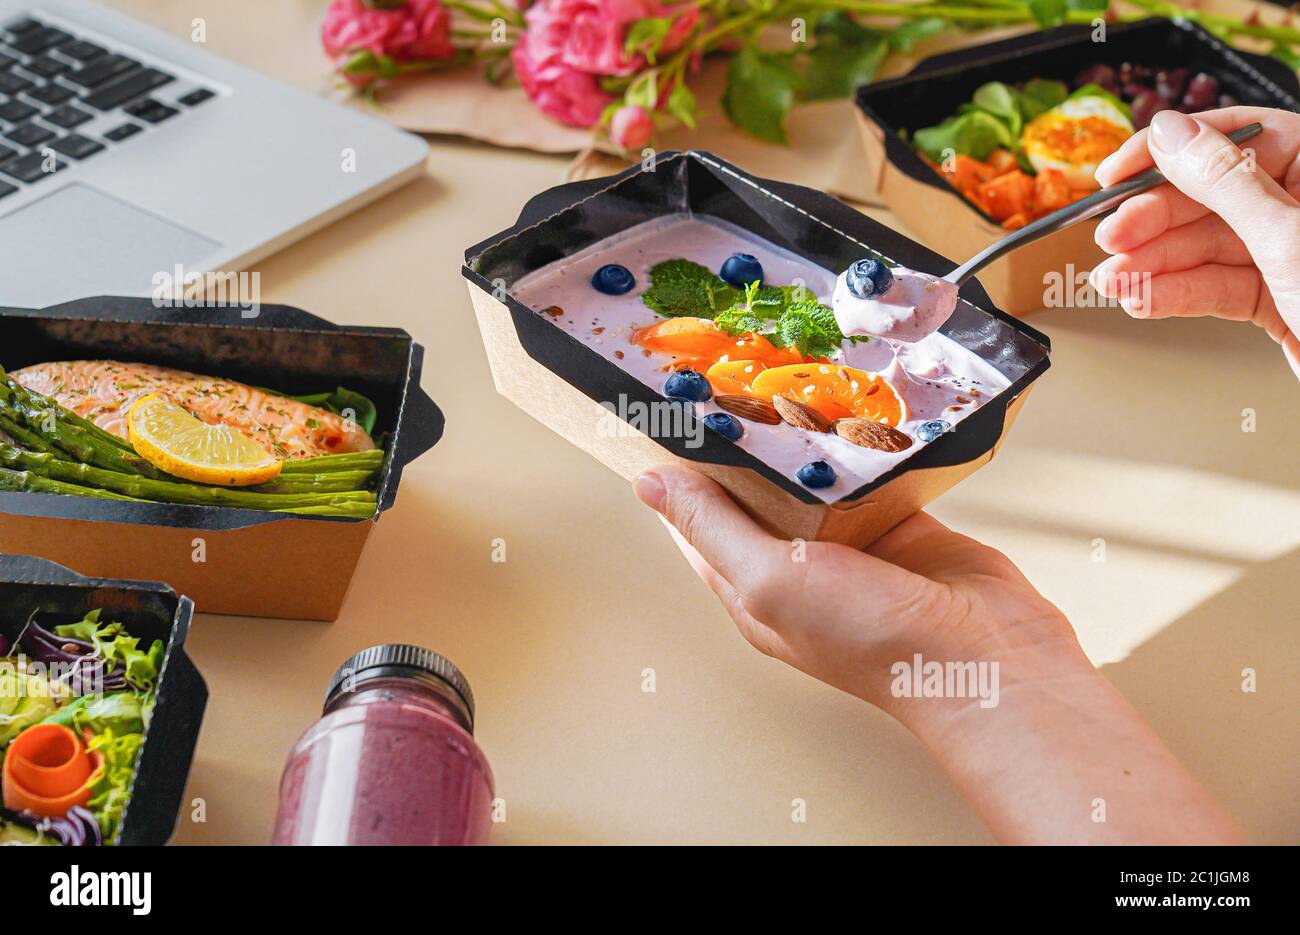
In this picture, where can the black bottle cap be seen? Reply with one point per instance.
(401, 660)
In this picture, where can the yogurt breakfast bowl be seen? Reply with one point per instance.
(687, 311)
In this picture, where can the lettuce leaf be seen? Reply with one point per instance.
(111, 789)
(119, 648)
(119, 712)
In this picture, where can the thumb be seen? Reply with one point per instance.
(1208, 167)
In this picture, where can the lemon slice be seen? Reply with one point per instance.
(172, 440)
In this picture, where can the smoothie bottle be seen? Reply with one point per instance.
(393, 759)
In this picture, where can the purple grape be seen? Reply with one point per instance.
(1227, 100)
(1202, 92)
(1137, 73)
(1145, 106)
(1098, 74)
(1133, 89)
(1172, 84)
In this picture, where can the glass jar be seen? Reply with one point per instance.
(392, 759)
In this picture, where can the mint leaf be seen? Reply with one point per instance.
(680, 287)
(809, 326)
(760, 91)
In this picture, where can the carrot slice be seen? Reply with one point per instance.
(46, 771)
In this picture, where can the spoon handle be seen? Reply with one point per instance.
(1096, 204)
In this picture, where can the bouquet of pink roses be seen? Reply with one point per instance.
(619, 66)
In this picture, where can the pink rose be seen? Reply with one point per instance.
(560, 91)
(418, 30)
(589, 34)
(631, 127)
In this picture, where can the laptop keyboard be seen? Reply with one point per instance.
(53, 83)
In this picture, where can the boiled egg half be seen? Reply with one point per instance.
(1074, 137)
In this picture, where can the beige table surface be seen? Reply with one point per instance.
(1133, 437)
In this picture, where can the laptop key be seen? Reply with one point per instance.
(151, 111)
(67, 117)
(50, 93)
(119, 93)
(46, 67)
(32, 167)
(7, 189)
(117, 134)
(81, 50)
(20, 26)
(101, 70)
(15, 111)
(11, 83)
(29, 134)
(7, 60)
(38, 40)
(196, 97)
(7, 153)
(76, 146)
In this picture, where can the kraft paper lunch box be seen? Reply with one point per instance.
(230, 561)
(561, 382)
(150, 611)
(1054, 270)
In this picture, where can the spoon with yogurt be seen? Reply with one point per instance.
(905, 305)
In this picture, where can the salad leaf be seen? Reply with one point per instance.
(110, 792)
(1039, 96)
(26, 698)
(680, 287)
(342, 402)
(120, 712)
(1096, 90)
(1001, 101)
(974, 133)
(111, 641)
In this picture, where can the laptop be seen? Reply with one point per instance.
(127, 155)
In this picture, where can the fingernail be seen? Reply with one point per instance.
(1134, 306)
(649, 488)
(1171, 131)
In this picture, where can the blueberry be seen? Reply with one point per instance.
(867, 278)
(816, 474)
(726, 426)
(688, 384)
(929, 431)
(613, 279)
(740, 269)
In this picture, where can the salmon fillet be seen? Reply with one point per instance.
(103, 391)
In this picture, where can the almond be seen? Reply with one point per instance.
(747, 407)
(801, 416)
(870, 434)
(553, 310)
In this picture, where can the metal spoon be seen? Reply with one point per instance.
(1096, 204)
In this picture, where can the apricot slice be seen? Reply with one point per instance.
(685, 337)
(836, 392)
(731, 377)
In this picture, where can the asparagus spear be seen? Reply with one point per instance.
(361, 510)
(71, 439)
(334, 481)
(349, 461)
(166, 491)
(26, 437)
(67, 415)
(27, 482)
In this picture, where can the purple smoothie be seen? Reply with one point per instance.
(392, 761)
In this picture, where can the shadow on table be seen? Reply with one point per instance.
(1187, 682)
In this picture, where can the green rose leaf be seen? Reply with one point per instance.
(908, 34)
(836, 71)
(1048, 12)
(760, 91)
(646, 37)
(681, 103)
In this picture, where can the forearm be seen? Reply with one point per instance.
(1063, 758)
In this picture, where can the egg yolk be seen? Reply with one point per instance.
(1077, 141)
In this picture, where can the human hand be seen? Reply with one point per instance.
(845, 616)
(1224, 238)
(1057, 738)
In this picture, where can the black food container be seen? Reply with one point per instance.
(230, 561)
(1025, 280)
(562, 382)
(150, 611)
